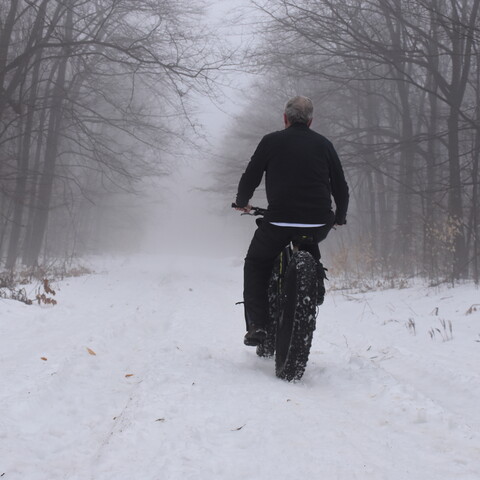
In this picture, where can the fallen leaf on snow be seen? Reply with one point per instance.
(90, 351)
(43, 358)
(237, 429)
(129, 375)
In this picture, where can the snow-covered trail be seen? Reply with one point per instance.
(172, 393)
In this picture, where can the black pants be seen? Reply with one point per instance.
(267, 243)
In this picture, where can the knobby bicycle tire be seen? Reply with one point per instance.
(267, 348)
(296, 319)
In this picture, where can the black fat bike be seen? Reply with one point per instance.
(292, 304)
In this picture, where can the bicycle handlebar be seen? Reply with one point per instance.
(257, 211)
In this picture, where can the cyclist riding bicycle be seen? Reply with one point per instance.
(302, 172)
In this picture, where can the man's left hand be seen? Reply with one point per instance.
(245, 209)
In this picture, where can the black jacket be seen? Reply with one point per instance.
(302, 172)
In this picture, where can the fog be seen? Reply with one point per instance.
(134, 139)
(186, 212)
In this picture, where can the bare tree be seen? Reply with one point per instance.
(395, 81)
(100, 87)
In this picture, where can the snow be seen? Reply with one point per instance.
(169, 391)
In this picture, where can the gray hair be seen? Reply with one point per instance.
(299, 110)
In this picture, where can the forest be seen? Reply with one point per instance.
(396, 87)
(97, 95)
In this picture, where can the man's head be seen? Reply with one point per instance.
(298, 110)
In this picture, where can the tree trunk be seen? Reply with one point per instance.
(20, 194)
(33, 187)
(430, 260)
(404, 207)
(476, 180)
(455, 203)
(5, 39)
(53, 137)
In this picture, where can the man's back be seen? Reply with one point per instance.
(302, 171)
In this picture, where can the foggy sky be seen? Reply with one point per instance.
(182, 208)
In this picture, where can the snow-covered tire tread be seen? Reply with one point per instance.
(298, 309)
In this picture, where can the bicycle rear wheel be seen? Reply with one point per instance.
(296, 319)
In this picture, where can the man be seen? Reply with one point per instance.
(302, 171)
